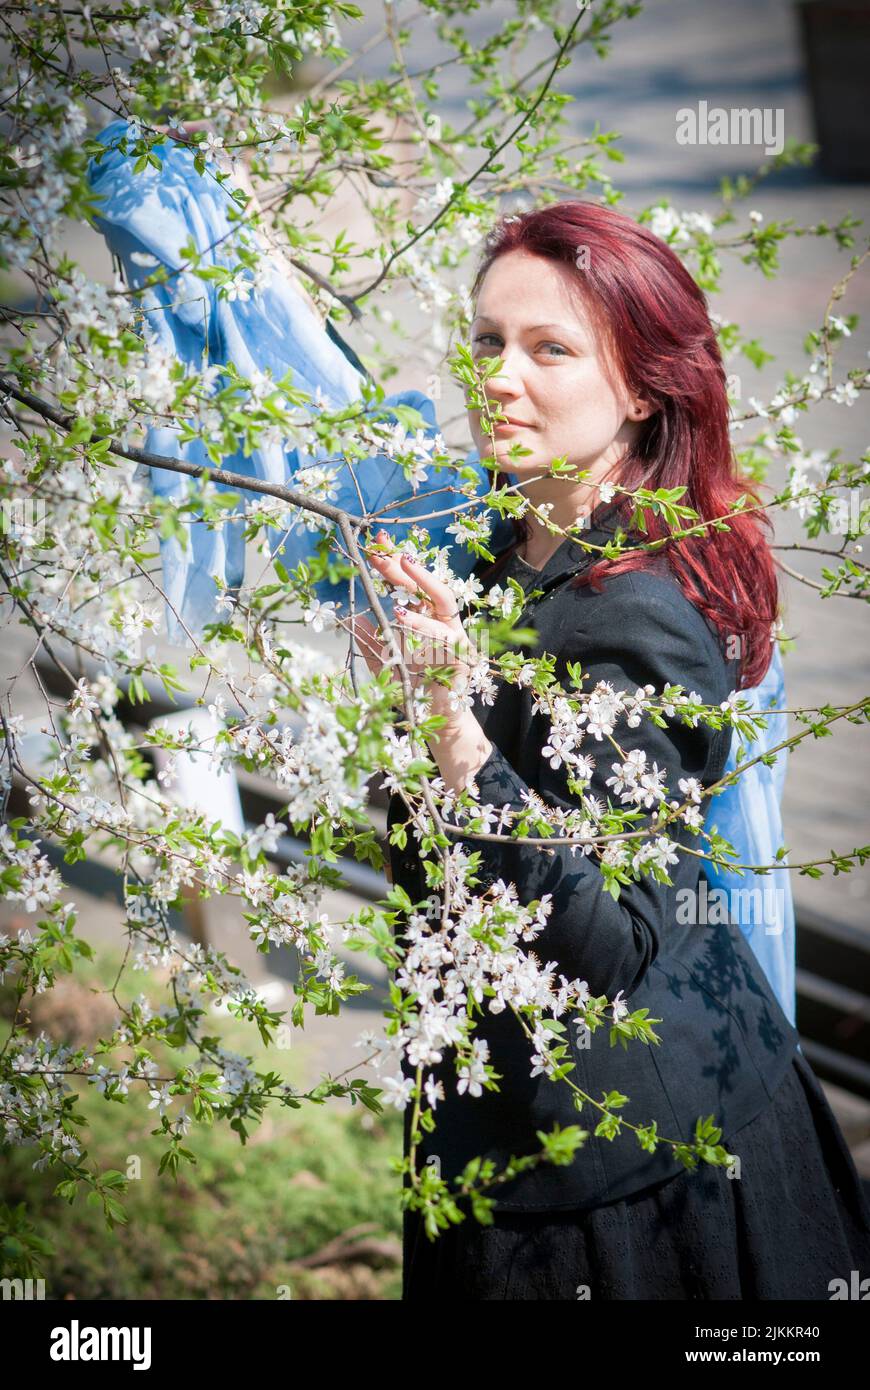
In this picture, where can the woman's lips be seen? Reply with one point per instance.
(511, 425)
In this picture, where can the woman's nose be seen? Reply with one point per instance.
(508, 381)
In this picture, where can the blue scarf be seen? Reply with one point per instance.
(152, 215)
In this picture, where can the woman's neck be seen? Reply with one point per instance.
(540, 544)
(536, 550)
(565, 507)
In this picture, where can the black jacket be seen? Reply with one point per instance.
(725, 1041)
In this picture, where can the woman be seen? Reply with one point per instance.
(609, 360)
(625, 381)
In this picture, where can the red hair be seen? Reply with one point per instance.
(656, 322)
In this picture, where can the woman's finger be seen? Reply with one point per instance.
(405, 573)
(432, 627)
(366, 638)
(442, 597)
(368, 642)
(388, 568)
(437, 646)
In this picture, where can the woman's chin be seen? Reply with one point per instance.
(525, 465)
(523, 468)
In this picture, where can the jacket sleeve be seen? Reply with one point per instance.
(637, 631)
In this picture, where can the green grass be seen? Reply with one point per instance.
(231, 1226)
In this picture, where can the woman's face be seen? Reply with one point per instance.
(555, 379)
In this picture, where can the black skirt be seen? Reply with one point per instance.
(795, 1219)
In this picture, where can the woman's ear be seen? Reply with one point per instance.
(639, 408)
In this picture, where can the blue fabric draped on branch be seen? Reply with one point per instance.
(147, 217)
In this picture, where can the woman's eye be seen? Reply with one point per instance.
(482, 337)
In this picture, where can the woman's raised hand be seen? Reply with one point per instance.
(445, 641)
